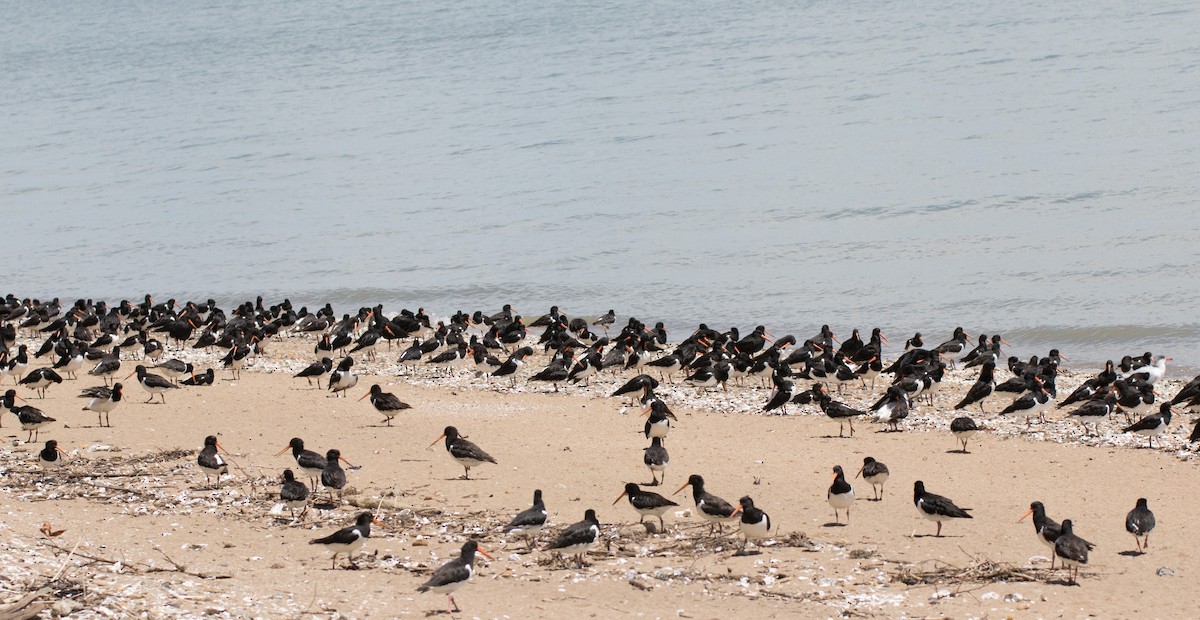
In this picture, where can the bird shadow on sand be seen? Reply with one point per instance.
(743, 552)
(936, 536)
(957, 452)
(835, 437)
(834, 524)
(1132, 554)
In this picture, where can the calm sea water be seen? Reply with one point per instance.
(1022, 168)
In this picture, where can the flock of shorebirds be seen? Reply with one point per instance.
(93, 337)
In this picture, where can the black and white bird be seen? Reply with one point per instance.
(316, 370)
(529, 522)
(39, 379)
(173, 369)
(348, 540)
(32, 419)
(656, 459)
(964, 429)
(1046, 529)
(711, 508)
(659, 421)
(108, 367)
(935, 507)
(646, 503)
(1138, 522)
(1152, 425)
(310, 463)
(1071, 550)
(840, 495)
(103, 401)
(464, 452)
(984, 386)
(514, 363)
(385, 403)
(578, 538)
(755, 523)
(452, 575)
(293, 493)
(343, 378)
(836, 410)
(892, 408)
(152, 383)
(333, 477)
(875, 473)
(205, 378)
(956, 348)
(51, 456)
(210, 460)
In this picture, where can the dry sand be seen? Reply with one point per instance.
(186, 549)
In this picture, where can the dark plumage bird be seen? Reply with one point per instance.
(840, 495)
(103, 401)
(1072, 551)
(348, 540)
(607, 319)
(152, 383)
(205, 378)
(39, 379)
(964, 429)
(529, 522)
(578, 538)
(659, 421)
(32, 419)
(51, 456)
(466, 453)
(836, 410)
(983, 387)
(1139, 522)
(510, 366)
(343, 378)
(210, 460)
(892, 408)
(173, 369)
(1046, 529)
(310, 463)
(646, 503)
(1152, 425)
(875, 473)
(454, 574)
(1096, 408)
(316, 370)
(935, 507)
(755, 523)
(333, 477)
(293, 493)
(656, 459)
(642, 383)
(711, 508)
(385, 403)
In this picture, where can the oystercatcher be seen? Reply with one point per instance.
(875, 473)
(840, 495)
(348, 540)
(103, 401)
(1138, 522)
(310, 463)
(385, 403)
(293, 493)
(32, 419)
(466, 453)
(333, 477)
(316, 370)
(755, 523)
(964, 429)
(646, 503)
(454, 574)
(343, 378)
(1152, 425)
(152, 383)
(1072, 551)
(711, 508)
(656, 459)
(205, 378)
(39, 379)
(1046, 529)
(935, 507)
(578, 538)
(530, 521)
(51, 457)
(210, 460)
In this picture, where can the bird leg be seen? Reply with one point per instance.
(455, 608)
(939, 530)
(467, 475)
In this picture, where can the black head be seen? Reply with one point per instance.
(589, 515)
(837, 469)
(1141, 503)
(288, 476)
(1038, 508)
(696, 480)
(332, 455)
(211, 440)
(52, 445)
(364, 519)
(746, 503)
(918, 487)
(296, 443)
(868, 460)
(632, 488)
(451, 433)
(376, 390)
(537, 496)
(468, 550)
(1067, 527)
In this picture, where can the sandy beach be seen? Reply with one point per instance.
(143, 535)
